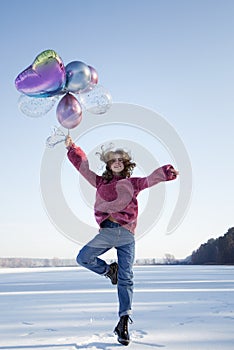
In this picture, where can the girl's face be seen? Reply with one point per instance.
(116, 164)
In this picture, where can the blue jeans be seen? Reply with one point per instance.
(111, 235)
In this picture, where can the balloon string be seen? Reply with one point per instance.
(68, 132)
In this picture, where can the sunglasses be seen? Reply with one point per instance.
(112, 161)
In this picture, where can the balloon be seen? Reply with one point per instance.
(97, 101)
(93, 81)
(78, 76)
(56, 137)
(35, 106)
(69, 112)
(94, 75)
(45, 77)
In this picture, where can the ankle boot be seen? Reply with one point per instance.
(112, 273)
(122, 330)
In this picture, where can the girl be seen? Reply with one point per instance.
(116, 211)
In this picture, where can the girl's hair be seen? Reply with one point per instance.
(108, 155)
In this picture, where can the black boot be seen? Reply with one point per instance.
(112, 273)
(122, 330)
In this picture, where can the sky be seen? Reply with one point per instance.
(172, 57)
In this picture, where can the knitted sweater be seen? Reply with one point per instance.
(118, 197)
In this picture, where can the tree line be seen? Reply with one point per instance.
(36, 262)
(168, 259)
(216, 251)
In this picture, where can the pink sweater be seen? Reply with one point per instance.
(117, 197)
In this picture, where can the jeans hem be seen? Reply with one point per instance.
(124, 313)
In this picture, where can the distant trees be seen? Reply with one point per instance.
(216, 251)
(36, 262)
(169, 259)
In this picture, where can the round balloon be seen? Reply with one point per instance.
(93, 81)
(94, 75)
(45, 77)
(36, 107)
(69, 112)
(97, 100)
(78, 76)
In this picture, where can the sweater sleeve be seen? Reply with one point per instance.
(159, 175)
(79, 159)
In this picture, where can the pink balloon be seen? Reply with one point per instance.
(69, 112)
(94, 75)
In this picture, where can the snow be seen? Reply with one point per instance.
(174, 308)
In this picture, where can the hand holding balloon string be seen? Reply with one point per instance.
(68, 141)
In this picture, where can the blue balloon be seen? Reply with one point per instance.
(78, 76)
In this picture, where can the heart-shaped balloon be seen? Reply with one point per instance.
(45, 77)
(69, 112)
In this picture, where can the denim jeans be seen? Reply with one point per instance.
(111, 235)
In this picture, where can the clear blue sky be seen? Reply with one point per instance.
(172, 56)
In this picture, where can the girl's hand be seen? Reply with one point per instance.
(174, 172)
(68, 141)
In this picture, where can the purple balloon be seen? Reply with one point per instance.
(45, 77)
(94, 75)
(69, 112)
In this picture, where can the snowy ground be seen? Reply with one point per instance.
(175, 308)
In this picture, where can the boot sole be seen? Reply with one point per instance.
(121, 340)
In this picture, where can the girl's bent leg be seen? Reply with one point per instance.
(88, 257)
(101, 243)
